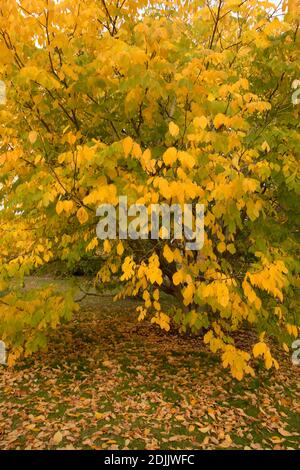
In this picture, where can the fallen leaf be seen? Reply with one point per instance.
(204, 430)
(284, 432)
(180, 418)
(57, 438)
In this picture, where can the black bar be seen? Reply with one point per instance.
(161, 459)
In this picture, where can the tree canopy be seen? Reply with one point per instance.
(164, 102)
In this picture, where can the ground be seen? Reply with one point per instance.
(108, 382)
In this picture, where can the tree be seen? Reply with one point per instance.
(169, 102)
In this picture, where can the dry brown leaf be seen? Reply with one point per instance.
(57, 438)
(205, 430)
(180, 418)
(284, 432)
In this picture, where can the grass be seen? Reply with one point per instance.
(108, 382)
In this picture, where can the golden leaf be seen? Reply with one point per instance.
(173, 129)
(82, 215)
(32, 136)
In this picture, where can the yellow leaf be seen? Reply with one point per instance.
(222, 294)
(208, 336)
(231, 248)
(259, 349)
(200, 122)
(59, 207)
(262, 336)
(68, 206)
(265, 146)
(82, 215)
(219, 120)
(285, 347)
(170, 156)
(221, 247)
(127, 145)
(177, 277)
(276, 439)
(32, 136)
(146, 295)
(249, 292)
(188, 294)
(173, 129)
(93, 243)
(168, 254)
(11, 360)
(71, 138)
(142, 313)
(162, 320)
(136, 150)
(107, 246)
(120, 248)
(186, 159)
(238, 374)
(156, 294)
(268, 360)
(38, 159)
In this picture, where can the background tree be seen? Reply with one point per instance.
(169, 102)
